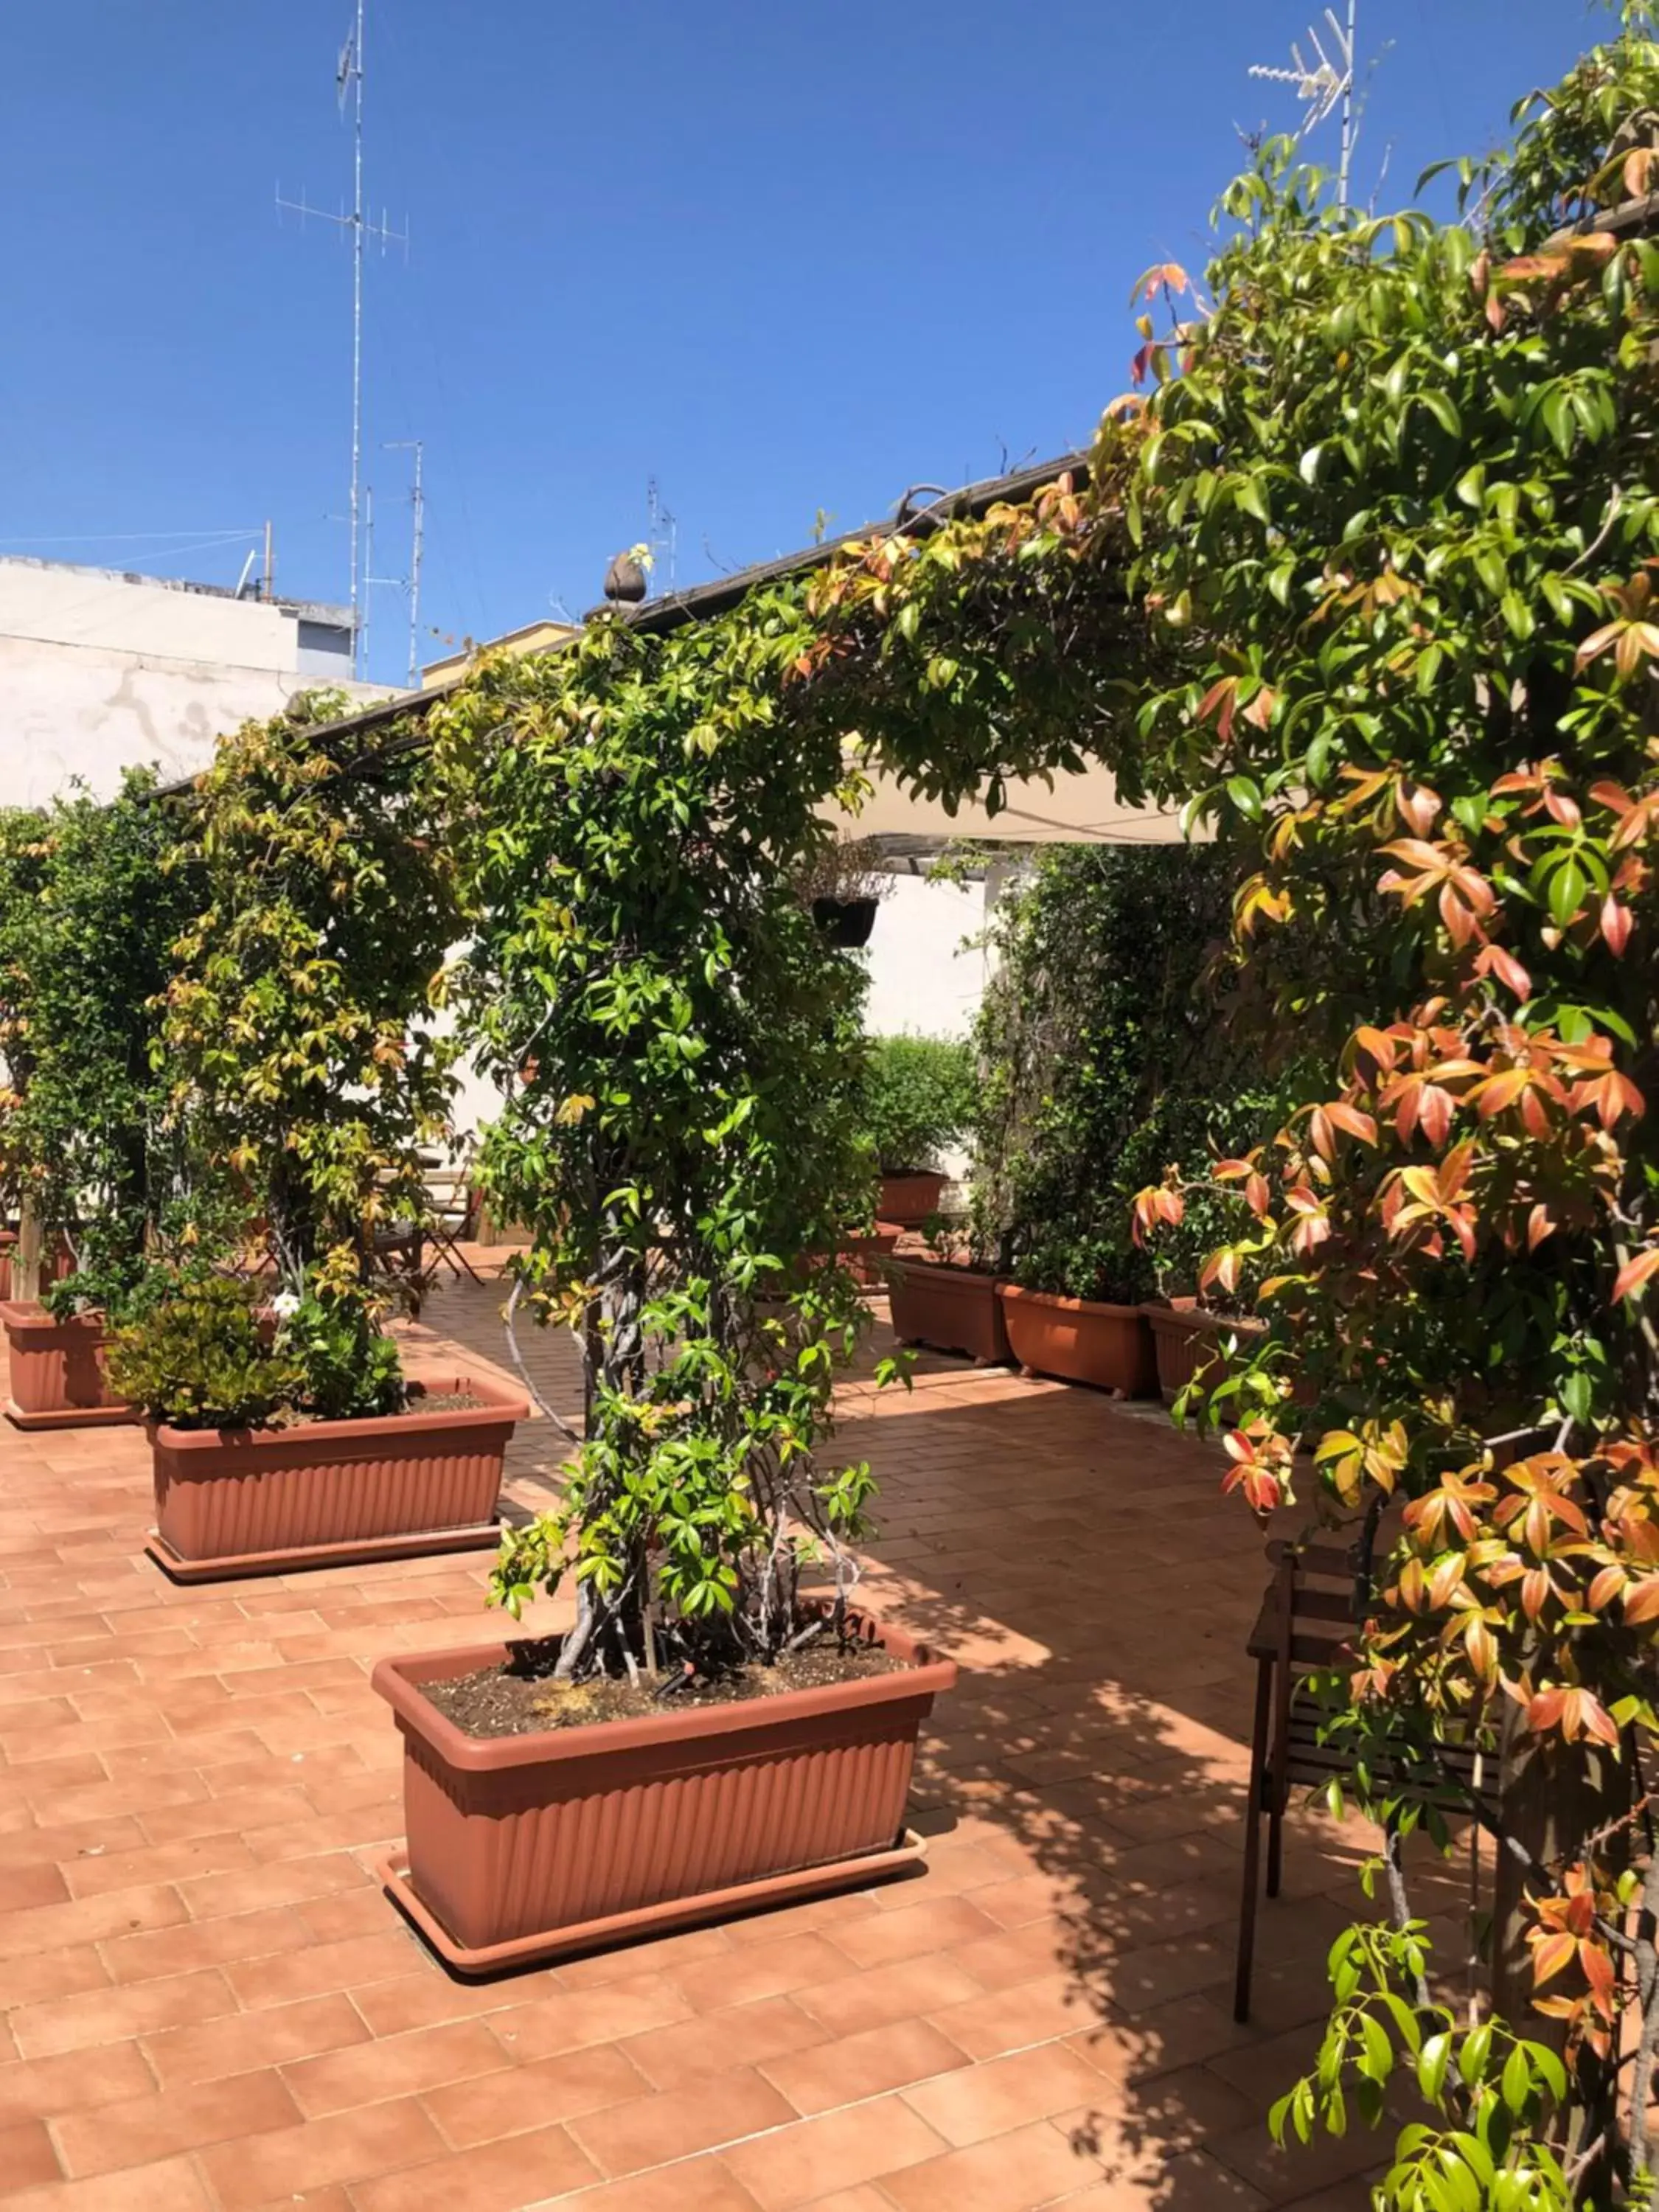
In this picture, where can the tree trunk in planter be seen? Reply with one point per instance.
(1554, 1795)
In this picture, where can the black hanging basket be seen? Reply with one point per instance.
(845, 922)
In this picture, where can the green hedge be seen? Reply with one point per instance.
(918, 1099)
(1105, 1055)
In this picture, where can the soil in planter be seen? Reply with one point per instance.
(423, 1401)
(519, 1697)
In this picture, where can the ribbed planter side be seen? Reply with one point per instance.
(952, 1309)
(56, 1369)
(907, 1201)
(866, 1258)
(1081, 1340)
(519, 1837)
(222, 1494)
(1188, 1341)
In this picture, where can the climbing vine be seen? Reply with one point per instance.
(1392, 491)
(91, 901)
(300, 1031)
(678, 1047)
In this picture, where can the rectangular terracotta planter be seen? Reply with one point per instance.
(265, 1501)
(531, 1846)
(1188, 1341)
(952, 1309)
(56, 1370)
(1081, 1340)
(907, 1201)
(866, 1258)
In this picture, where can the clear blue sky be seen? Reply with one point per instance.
(783, 258)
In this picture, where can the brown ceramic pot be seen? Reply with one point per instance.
(1081, 1340)
(57, 1370)
(1189, 1342)
(952, 1309)
(907, 1201)
(265, 1501)
(528, 1846)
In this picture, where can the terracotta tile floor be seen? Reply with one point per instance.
(208, 2003)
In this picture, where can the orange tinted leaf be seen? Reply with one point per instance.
(1632, 1276)
(1551, 1956)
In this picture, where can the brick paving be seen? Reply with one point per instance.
(211, 2007)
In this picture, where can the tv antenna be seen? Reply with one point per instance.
(1324, 88)
(360, 226)
(418, 503)
(662, 532)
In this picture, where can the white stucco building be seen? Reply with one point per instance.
(101, 671)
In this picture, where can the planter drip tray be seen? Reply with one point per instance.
(76, 1417)
(391, 1869)
(231, 1503)
(357, 1551)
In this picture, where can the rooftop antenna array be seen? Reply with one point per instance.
(360, 226)
(662, 532)
(1324, 88)
(418, 542)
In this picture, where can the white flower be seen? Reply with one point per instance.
(285, 1304)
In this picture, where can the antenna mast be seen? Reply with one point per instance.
(417, 502)
(1325, 88)
(360, 228)
(662, 530)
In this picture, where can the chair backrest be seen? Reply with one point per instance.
(1313, 1601)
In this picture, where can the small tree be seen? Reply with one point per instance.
(1109, 1051)
(679, 1049)
(918, 1100)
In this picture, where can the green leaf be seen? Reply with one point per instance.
(1377, 2057)
(1515, 2083)
(1518, 616)
(1474, 2053)
(1432, 2062)
(1443, 408)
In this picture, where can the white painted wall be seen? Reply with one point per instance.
(924, 978)
(101, 671)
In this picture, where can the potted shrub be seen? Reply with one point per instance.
(289, 1436)
(721, 1726)
(918, 1102)
(949, 1299)
(1105, 1053)
(92, 897)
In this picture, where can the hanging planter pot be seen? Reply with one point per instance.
(847, 923)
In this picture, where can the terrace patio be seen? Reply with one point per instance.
(210, 2004)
